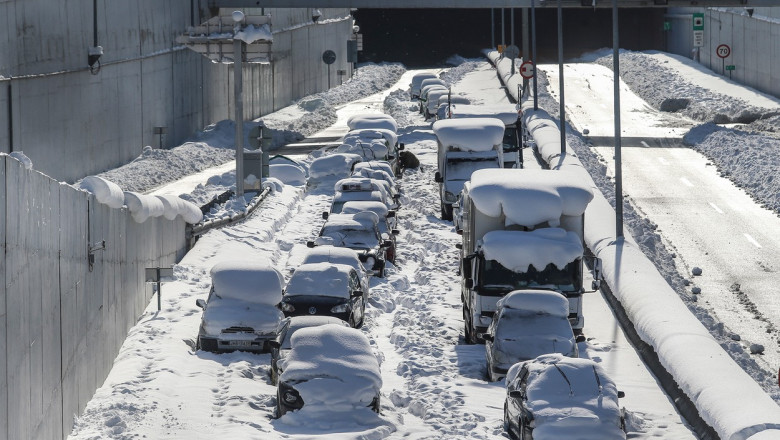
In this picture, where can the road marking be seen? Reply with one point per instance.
(663, 161)
(715, 207)
(645, 144)
(752, 240)
(686, 182)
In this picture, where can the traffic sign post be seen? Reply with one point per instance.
(329, 57)
(723, 51)
(527, 69)
(698, 29)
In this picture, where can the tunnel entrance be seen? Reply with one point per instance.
(427, 37)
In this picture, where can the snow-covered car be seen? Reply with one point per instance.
(325, 289)
(386, 221)
(280, 346)
(435, 97)
(372, 120)
(374, 173)
(374, 165)
(359, 232)
(426, 89)
(338, 255)
(414, 86)
(527, 324)
(557, 397)
(240, 312)
(362, 188)
(329, 369)
(332, 166)
(444, 112)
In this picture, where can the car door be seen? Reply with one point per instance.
(358, 302)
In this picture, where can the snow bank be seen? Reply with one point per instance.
(320, 279)
(737, 408)
(247, 281)
(333, 165)
(105, 191)
(477, 134)
(507, 113)
(332, 366)
(511, 191)
(536, 301)
(288, 174)
(516, 250)
(372, 120)
(142, 207)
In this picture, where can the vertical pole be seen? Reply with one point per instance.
(503, 29)
(512, 26)
(492, 28)
(560, 78)
(159, 291)
(533, 53)
(524, 36)
(618, 156)
(239, 114)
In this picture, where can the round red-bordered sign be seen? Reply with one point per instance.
(527, 69)
(723, 51)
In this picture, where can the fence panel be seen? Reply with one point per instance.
(4, 431)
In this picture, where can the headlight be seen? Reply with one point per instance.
(450, 197)
(341, 308)
(290, 396)
(287, 307)
(370, 261)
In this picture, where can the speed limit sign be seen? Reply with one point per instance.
(723, 50)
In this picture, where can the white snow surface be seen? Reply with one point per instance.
(105, 191)
(248, 281)
(516, 250)
(288, 174)
(510, 191)
(21, 157)
(372, 121)
(433, 385)
(333, 165)
(223, 313)
(477, 134)
(320, 279)
(537, 301)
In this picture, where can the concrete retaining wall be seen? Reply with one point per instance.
(62, 322)
(754, 42)
(55, 111)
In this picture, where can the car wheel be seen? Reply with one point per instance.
(468, 332)
(507, 425)
(446, 212)
(381, 269)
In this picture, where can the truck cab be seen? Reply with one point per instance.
(464, 146)
(508, 114)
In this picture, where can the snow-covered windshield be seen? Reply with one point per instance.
(460, 169)
(352, 238)
(496, 277)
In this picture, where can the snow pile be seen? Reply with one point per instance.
(571, 398)
(288, 174)
(477, 134)
(173, 206)
(320, 279)
(510, 192)
(333, 368)
(507, 113)
(21, 157)
(105, 191)
(516, 250)
(337, 165)
(142, 207)
(251, 33)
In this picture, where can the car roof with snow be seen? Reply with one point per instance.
(332, 366)
(373, 133)
(360, 220)
(372, 120)
(333, 254)
(508, 192)
(249, 281)
(320, 279)
(355, 206)
(507, 113)
(536, 301)
(432, 81)
(516, 250)
(375, 164)
(356, 184)
(569, 395)
(335, 164)
(475, 134)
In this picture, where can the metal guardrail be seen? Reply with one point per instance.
(193, 232)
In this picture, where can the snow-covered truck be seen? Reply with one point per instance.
(521, 229)
(509, 115)
(464, 146)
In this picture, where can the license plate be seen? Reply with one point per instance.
(241, 343)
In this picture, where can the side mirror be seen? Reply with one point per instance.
(595, 285)
(390, 213)
(437, 177)
(273, 343)
(387, 243)
(516, 394)
(487, 337)
(466, 263)
(458, 245)
(621, 394)
(459, 232)
(401, 146)
(325, 215)
(580, 338)
(310, 244)
(395, 232)
(200, 303)
(357, 293)
(469, 283)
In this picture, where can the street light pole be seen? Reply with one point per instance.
(239, 113)
(618, 146)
